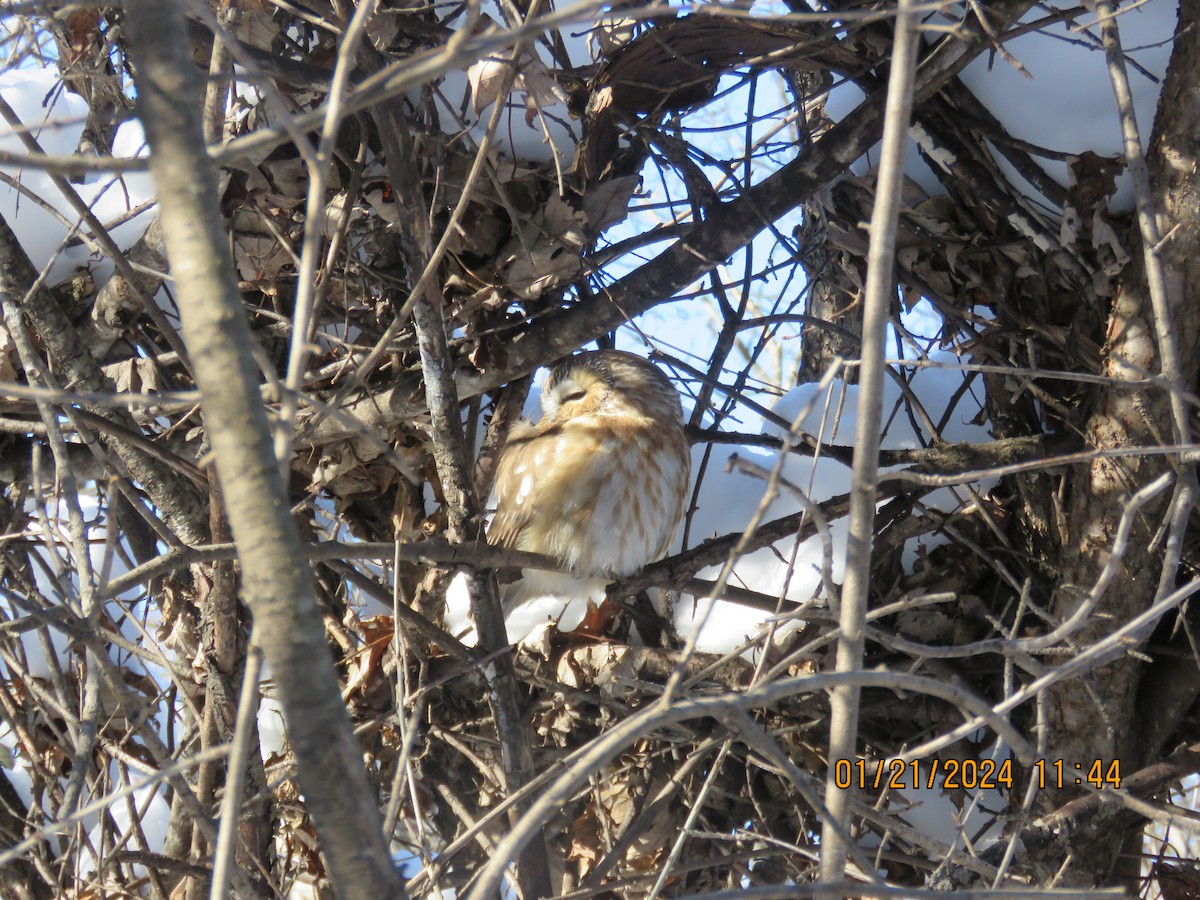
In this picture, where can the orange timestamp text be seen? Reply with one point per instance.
(1057, 773)
(970, 774)
(950, 774)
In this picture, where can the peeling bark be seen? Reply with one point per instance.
(1099, 716)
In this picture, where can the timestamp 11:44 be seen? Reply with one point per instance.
(971, 774)
(1056, 773)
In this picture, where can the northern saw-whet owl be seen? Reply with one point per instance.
(599, 483)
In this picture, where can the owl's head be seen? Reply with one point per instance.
(609, 382)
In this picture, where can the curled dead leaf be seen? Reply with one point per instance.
(486, 79)
(608, 202)
(549, 254)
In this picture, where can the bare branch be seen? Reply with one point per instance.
(276, 580)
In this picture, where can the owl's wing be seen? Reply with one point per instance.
(514, 476)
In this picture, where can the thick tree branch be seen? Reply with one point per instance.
(181, 505)
(276, 578)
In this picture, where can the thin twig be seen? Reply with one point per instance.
(318, 168)
(235, 779)
(879, 291)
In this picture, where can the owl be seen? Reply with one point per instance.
(599, 483)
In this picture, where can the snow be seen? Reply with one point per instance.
(933, 814)
(728, 501)
(56, 119)
(832, 413)
(153, 817)
(1063, 101)
(1066, 102)
(272, 732)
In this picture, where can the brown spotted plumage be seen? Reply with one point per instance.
(600, 482)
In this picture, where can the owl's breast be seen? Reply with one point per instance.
(638, 506)
(604, 496)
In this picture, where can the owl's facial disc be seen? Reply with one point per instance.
(574, 393)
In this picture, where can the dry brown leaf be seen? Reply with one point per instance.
(555, 243)
(539, 642)
(259, 258)
(349, 468)
(480, 234)
(611, 34)
(585, 842)
(538, 85)
(256, 26)
(558, 722)
(364, 667)
(382, 29)
(8, 349)
(83, 29)
(137, 375)
(608, 203)
(289, 182)
(486, 79)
